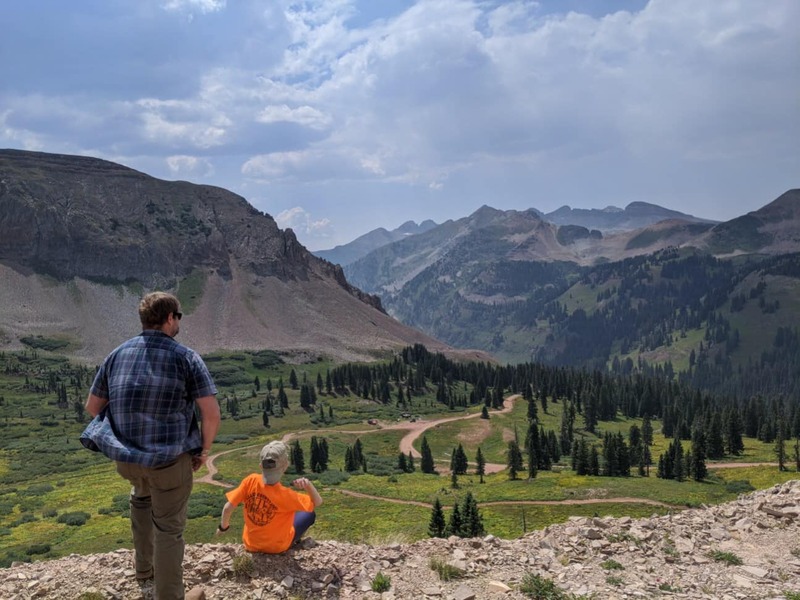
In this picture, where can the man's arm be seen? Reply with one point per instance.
(94, 404)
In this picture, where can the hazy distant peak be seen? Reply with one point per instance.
(613, 209)
(346, 254)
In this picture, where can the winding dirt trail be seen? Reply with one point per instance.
(416, 429)
(406, 443)
(569, 501)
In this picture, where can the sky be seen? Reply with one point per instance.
(338, 117)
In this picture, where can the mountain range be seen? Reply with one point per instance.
(608, 220)
(522, 288)
(82, 238)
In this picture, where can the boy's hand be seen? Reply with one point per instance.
(301, 483)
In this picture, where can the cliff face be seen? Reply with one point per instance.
(80, 235)
(71, 216)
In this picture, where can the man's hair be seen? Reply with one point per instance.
(156, 307)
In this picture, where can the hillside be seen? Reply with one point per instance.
(82, 238)
(523, 289)
(743, 549)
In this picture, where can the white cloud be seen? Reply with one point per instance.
(302, 115)
(189, 166)
(301, 222)
(203, 6)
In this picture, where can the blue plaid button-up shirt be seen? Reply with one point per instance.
(151, 382)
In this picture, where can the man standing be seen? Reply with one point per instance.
(143, 399)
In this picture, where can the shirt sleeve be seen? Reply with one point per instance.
(200, 383)
(100, 384)
(237, 496)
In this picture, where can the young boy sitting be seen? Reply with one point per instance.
(275, 517)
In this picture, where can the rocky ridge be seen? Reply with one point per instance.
(688, 554)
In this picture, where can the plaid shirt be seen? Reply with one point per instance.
(151, 383)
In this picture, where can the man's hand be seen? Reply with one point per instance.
(198, 460)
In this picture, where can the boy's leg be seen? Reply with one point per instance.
(302, 521)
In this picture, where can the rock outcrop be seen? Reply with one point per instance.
(746, 549)
(81, 239)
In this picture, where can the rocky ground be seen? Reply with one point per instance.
(689, 554)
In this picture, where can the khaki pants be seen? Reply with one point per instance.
(158, 517)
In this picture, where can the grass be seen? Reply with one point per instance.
(381, 583)
(540, 588)
(45, 473)
(729, 558)
(445, 570)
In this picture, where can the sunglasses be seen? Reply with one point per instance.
(178, 315)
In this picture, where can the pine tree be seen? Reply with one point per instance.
(314, 455)
(480, 469)
(461, 461)
(293, 380)
(780, 448)
(514, 460)
(484, 412)
(350, 464)
(454, 524)
(715, 445)
(410, 463)
(471, 519)
(436, 526)
(594, 461)
(426, 462)
(297, 458)
(647, 431)
(323, 455)
(533, 416)
(733, 432)
(358, 453)
(697, 467)
(402, 465)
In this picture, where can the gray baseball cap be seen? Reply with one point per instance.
(274, 461)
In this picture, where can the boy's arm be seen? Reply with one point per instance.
(304, 484)
(225, 519)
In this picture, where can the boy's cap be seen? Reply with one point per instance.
(274, 462)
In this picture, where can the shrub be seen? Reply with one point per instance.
(36, 490)
(91, 596)
(243, 565)
(74, 519)
(205, 504)
(24, 518)
(726, 557)
(37, 549)
(611, 564)
(739, 486)
(50, 513)
(445, 570)
(539, 588)
(333, 477)
(381, 583)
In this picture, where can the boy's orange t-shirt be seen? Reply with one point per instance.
(268, 513)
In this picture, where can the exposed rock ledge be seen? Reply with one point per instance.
(669, 556)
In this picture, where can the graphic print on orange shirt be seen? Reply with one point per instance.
(260, 509)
